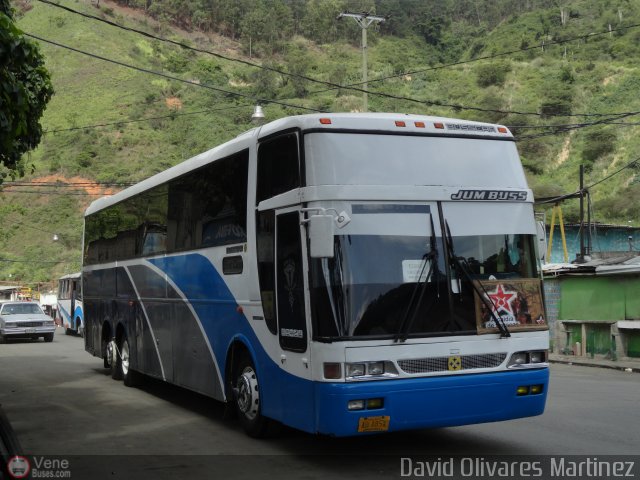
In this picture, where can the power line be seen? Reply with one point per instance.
(30, 261)
(52, 192)
(579, 193)
(628, 165)
(67, 185)
(274, 101)
(569, 125)
(163, 117)
(354, 86)
(577, 126)
(188, 47)
(171, 77)
(502, 54)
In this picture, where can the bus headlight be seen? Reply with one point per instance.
(538, 357)
(370, 370)
(519, 358)
(375, 368)
(355, 369)
(532, 359)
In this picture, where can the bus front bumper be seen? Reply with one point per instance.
(429, 402)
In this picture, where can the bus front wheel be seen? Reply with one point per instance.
(247, 399)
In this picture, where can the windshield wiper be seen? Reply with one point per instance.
(430, 258)
(483, 295)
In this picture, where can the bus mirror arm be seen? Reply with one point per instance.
(321, 230)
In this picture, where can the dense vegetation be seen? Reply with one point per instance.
(568, 57)
(25, 89)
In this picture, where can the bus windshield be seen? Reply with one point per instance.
(373, 282)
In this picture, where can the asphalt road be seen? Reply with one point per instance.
(62, 404)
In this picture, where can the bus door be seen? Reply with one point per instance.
(72, 310)
(296, 389)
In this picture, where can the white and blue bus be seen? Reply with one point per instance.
(341, 274)
(69, 304)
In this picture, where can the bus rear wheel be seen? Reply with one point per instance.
(115, 363)
(247, 399)
(130, 377)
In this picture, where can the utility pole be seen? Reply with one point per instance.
(582, 254)
(364, 20)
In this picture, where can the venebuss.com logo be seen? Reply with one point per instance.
(18, 467)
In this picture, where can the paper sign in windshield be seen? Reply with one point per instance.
(414, 271)
(517, 302)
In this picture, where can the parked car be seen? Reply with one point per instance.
(25, 320)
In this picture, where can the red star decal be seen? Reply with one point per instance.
(502, 299)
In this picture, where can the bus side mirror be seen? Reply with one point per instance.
(321, 236)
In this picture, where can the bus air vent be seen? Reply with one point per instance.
(442, 364)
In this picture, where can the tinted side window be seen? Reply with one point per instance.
(278, 166)
(135, 227)
(208, 207)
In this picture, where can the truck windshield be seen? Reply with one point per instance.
(366, 288)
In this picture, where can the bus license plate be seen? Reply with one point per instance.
(30, 330)
(373, 424)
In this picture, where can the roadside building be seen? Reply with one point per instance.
(593, 308)
(10, 293)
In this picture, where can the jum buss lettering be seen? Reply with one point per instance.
(504, 195)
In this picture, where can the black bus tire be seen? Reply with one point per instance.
(130, 377)
(247, 399)
(116, 360)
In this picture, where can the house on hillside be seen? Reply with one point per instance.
(10, 293)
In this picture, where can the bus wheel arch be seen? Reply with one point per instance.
(243, 389)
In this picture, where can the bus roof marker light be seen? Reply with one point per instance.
(400, 123)
(419, 124)
(503, 130)
(325, 121)
(439, 125)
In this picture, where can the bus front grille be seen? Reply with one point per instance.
(445, 364)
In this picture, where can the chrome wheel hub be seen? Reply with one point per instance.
(110, 352)
(248, 396)
(125, 357)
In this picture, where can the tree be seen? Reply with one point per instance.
(25, 90)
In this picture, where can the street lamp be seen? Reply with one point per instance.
(258, 115)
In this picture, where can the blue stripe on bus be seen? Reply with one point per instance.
(78, 314)
(64, 312)
(216, 308)
(411, 403)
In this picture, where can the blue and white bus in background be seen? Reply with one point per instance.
(342, 274)
(69, 304)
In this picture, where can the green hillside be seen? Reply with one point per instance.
(529, 65)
